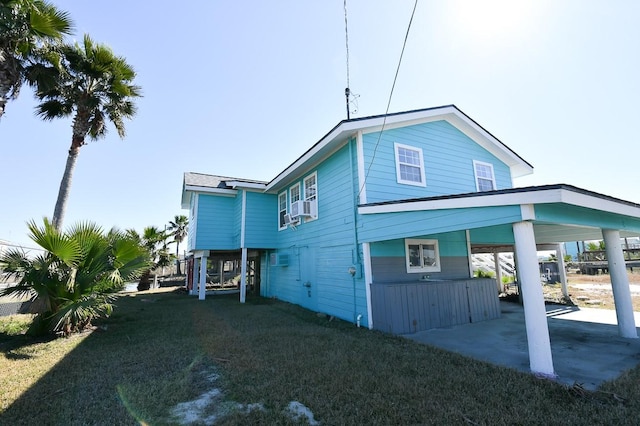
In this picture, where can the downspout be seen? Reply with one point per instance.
(356, 257)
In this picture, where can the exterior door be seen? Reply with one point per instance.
(308, 278)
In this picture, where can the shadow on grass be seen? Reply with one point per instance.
(11, 344)
(163, 349)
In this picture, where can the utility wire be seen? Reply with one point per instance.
(395, 78)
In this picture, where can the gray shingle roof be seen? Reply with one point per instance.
(213, 181)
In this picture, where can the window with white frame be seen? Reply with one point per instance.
(294, 193)
(409, 165)
(485, 179)
(311, 194)
(422, 256)
(282, 210)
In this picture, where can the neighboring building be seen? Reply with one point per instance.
(377, 221)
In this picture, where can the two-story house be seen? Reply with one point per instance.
(376, 222)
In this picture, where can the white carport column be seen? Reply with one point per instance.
(202, 290)
(535, 314)
(620, 284)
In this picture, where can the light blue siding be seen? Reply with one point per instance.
(448, 157)
(218, 225)
(389, 226)
(331, 238)
(261, 220)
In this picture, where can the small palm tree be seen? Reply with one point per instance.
(178, 229)
(26, 26)
(94, 85)
(73, 281)
(154, 241)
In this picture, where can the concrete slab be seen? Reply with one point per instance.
(585, 345)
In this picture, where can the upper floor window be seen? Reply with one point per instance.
(311, 194)
(282, 210)
(409, 165)
(485, 179)
(294, 193)
(422, 255)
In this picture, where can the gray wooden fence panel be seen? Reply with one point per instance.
(401, 308)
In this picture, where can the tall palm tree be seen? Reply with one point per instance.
(25, 27)
(94, 85)
(178, 229)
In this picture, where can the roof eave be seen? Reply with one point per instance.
(343, 130)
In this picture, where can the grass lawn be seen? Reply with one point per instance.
(163, 356)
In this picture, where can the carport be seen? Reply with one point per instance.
(523, 218)
(585, 346)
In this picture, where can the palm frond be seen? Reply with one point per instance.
(75, 315)
(55, 242)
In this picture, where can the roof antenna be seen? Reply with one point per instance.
(346, 95)
(350, 98)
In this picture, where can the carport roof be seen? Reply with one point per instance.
(557, 193)
(560, 213)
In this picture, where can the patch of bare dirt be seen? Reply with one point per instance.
(592, 291)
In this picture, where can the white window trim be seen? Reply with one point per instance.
(304, 194)
(397, 158)
(286, 210)
(291, 200)
(475, 174)
(414, 270)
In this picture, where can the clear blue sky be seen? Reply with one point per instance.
(242, 88)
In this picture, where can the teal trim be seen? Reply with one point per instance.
(582, 216)
(389, 226)
(501, 234)
(451, 244)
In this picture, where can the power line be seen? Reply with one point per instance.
(393, 86)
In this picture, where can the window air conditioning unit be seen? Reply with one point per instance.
(289, 219)
(302, 208)
(279, 259)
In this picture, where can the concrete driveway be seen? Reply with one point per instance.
(585, 345)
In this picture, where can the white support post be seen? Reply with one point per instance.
(496, 261)
(535, 314)
(202, 290)
(195, 279)
(620, 284)
(243, 276)
(562, 271)
(469, 254)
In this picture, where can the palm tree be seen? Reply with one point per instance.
(94, 85)
(25, 27)
(154, 241)
(178, 229)
(73, 280)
